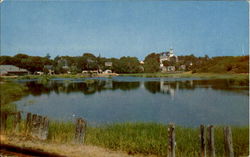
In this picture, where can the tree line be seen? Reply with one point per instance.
(126, 64)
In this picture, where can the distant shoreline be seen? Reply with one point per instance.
(242, 76)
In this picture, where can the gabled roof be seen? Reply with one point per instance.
(11, 68)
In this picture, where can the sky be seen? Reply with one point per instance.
(124, 27)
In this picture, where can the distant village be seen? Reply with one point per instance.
(50, 69)
(164, 62)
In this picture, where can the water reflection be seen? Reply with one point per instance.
(36, 89)
(161, 86)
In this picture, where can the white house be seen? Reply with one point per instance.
(166, 56)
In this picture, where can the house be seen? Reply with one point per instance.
(182, 67)
(6, 70)
(107, 71)
(38, 73)
(90, 72)
(85, 72)
(163, 68)
(49, 69)
(108, 64)
(167, 56)
(170, 68)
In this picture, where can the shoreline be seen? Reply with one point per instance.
(237, 76)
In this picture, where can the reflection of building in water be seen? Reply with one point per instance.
(191, 83)
(108, 84)
(166, 88)
(142, 85)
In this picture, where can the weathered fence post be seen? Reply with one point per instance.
(28, 123)
(34, 125)
(3, 121)
(228, 142)
(203, 140)
(80, 130)
(171, 140)
(17, 121)
(44, 126)
(210, 140)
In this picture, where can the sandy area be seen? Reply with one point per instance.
(71, 150)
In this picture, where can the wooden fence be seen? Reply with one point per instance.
(37, 126)
(207, 148)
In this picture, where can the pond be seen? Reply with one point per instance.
(183, 101)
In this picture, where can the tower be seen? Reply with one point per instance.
(171, 52)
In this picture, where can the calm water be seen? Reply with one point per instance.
(188, 102)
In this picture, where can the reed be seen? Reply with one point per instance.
(148, 138)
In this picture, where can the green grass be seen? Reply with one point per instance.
(240, 79)
(42, 77)
(148, 138)
(45, 78)
(190, 75)
(10, 92)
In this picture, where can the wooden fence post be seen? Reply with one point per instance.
(44, 127)
(28, 123)
(17, 121)
(34, 125)
(80, 130)
(228, 142)
(210, 140)
(203, 140)
(171, 140)
(3, 121)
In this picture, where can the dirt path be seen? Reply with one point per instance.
(70, 150)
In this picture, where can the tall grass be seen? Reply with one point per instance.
(10, 92)
(148, 138)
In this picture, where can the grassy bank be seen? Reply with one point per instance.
(10, 92)
(158, 74)
(194, 75)
(39, 77)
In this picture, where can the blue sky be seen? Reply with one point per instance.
(124, 28)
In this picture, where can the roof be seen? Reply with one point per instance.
(108, 63)
(48, 66)
(4, 69)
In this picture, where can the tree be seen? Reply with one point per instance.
(129, 65)
(152, 63)
(6, 60)
(47, 56)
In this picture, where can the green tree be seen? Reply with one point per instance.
(129, 65)
(152, 63)
(47, 56)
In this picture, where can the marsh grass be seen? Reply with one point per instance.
(141, 138)
(62, 132)
(148, 138)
